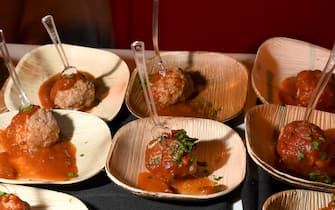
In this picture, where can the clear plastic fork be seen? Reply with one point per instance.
(50, 26)
(138, 49)
(323, 81)
(8, 62)
(159, 62)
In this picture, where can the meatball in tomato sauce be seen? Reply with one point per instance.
(33, 127)
(176, 86)
(171, 156)
(303, 149)
(73, 91)
(306, 82)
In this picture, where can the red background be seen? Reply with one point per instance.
(223, 25)
(208, 25)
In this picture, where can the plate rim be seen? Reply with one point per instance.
(134, 74)
(124, 70)
(171, 196)
(76, 179)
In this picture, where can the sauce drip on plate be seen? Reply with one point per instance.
(297, 90)
(56, 162)
(31, 148)
(49, 89)
(174, 167)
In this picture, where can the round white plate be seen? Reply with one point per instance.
(35, 67)
(44, 199)
(90, 135)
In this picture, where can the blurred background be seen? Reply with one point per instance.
(214, 25)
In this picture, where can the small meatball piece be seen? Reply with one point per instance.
(73, 91)
(170, 156)
(306, 82)
(12, 202)
(176, 86)
(303, 148)
(33, 128)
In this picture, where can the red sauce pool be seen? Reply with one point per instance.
(56, 162)
(190, 186)
(287, 91)
(200, 184)
(47, 91)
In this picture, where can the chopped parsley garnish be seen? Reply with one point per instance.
(315, 145)
(72, 174)
(183, 144)
(300, 155)
(158, 140)
(308, 136)
(26, 108)
(178, 156)
(181, 135)
(156, 160)
(3, 194)
(219, 188)
(322, 138)
(218, 178)
(314, 176)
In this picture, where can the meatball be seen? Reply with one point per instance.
(33, 128)
(171, 156)
(12, 202)
(303, 149)
(74, 91)
(306, 81)
(176, 86)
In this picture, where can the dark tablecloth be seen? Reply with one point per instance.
(258, 186)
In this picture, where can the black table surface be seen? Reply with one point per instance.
(100, 193)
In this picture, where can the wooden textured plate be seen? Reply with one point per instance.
(218, 142)
(226, 89)
(90, 135)
(279, 58)
(44, 199)
(297, 200)
(110, 71)
(262, 127)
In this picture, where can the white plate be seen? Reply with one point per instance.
(226, 88)
(220, 145)
(262, 127)
(297, 199)
(90, 135)
(44, 199)
(109, 70)
(279, 58)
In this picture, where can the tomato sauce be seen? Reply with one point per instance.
(187, 172)
(55, 163)
(186, 109)
(147, 181)
(191, 186)
(287, 91)
(298, 90)
(49, 88)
